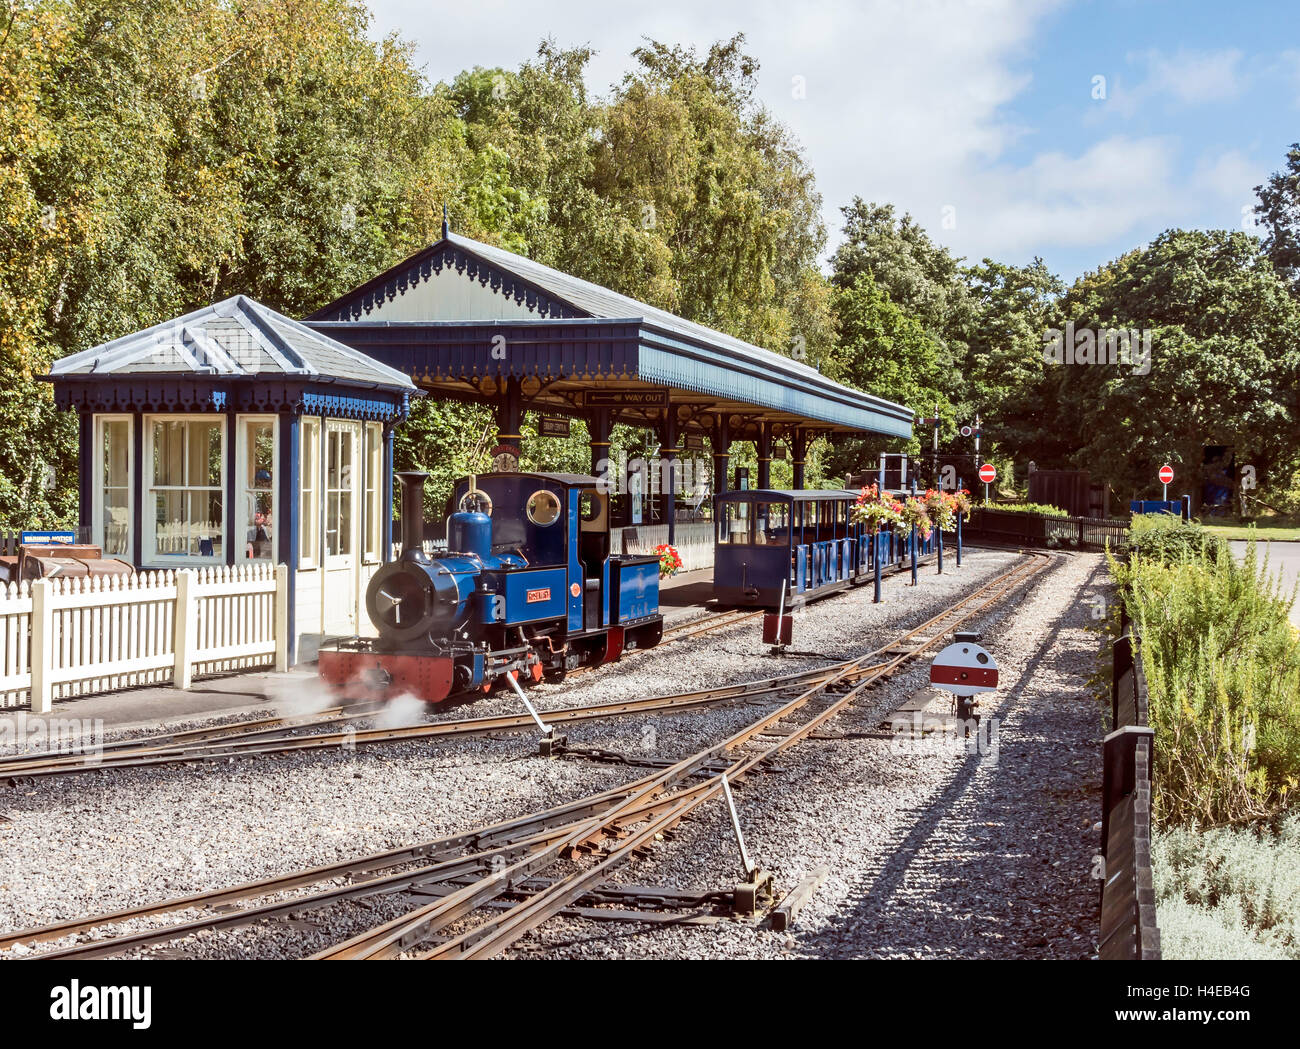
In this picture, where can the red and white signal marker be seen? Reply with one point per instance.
(1166, 476)
(987, 473)
(965, 669)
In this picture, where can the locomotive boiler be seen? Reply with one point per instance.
(527, 586)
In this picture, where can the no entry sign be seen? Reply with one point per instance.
(964, 668)
(1166, 474)
(987, 473)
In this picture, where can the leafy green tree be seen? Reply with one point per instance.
(1223, 367)
(1279, 213)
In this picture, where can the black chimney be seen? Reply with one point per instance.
(413, 513)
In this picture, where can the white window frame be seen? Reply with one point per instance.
(372, 495)
(308, 559)
(149, 555)
(97, 486)
(356, 489)
(241, 463)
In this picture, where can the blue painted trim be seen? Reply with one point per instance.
(163, 396)
(230, 532)
(289, 496)
(85, 470)
(141, 483)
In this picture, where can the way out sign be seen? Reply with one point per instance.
(964, 669)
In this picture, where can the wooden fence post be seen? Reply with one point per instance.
(42, 654)
(185, 623)
(281, 618)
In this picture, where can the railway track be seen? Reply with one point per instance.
(487, 884)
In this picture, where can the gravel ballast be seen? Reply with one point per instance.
(119, 838)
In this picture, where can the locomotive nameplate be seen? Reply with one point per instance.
(538, 595)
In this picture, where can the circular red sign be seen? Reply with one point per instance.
(576, 589)
(987, 473)
(1166, 474)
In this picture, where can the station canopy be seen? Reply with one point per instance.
(463, 319)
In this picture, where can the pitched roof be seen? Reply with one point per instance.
(552, 293)
(230, 339)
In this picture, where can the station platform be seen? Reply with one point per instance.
(684, 596)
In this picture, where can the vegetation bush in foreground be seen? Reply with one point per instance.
(1223, 669)
(1230, 892)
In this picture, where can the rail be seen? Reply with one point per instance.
(1128, 906)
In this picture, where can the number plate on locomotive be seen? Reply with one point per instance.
(538, 595)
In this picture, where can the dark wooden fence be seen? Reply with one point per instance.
(1128, 904)
(1010, 526)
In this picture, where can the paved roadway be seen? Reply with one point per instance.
(1282, 557)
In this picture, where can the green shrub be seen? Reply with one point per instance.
(1228, 892)
(1223, 669)
(1028, 508)
(1170, 540)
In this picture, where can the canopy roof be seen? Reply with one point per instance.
(233, 338)
(439, 315)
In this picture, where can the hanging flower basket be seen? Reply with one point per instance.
(942, 508)
(915, 515)
(962, 502)
(874, 511)
(670, 561)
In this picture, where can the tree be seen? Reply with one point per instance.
(1279, 212)
(887, 351)
(1223, 367)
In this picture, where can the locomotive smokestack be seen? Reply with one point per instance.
(412, 511)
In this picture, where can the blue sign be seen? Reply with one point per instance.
(48, 538)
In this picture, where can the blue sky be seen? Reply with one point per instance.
(979, 116)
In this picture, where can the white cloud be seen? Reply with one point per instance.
(907, 102)
(1196, 77)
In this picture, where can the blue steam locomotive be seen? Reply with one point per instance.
(527, 587)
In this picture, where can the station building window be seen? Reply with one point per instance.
(114, 485)
(259, 467)
(183, 507)
(340, 490)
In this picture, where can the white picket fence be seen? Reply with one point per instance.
(694, 542)
(65, 637)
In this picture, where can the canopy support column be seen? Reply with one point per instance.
(798, 453)
(510, 415)
(763, 446)
(599, 426)
(668, 452)
(721, 444)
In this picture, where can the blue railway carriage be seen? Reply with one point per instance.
(803, 539)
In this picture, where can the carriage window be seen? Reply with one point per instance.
(589, 506)
(733, 525)
(543, 508)
(771, 524)
(475, 501)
